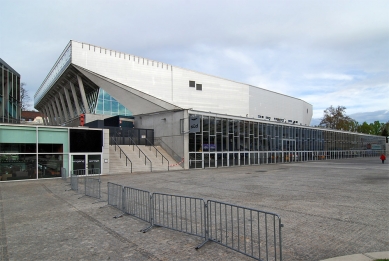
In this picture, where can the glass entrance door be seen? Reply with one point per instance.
(85, 164)
(94, 164)
(78, 164)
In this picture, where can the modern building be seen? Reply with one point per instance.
(32, 152)
(206, 120)
(10, 94)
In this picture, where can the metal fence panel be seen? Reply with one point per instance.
(181, 213)
(136, 202)
(74, 182)
(115, 195)
(93, 187)
(63, 174)
(251, 232)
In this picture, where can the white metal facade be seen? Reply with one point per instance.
(171, 84)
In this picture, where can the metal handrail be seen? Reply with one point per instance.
(169, 150)
(133, 148)
(156, 153)
(121, 151)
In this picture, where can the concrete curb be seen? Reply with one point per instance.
(361, 257)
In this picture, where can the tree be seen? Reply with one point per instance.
(336, 118)
(385, 130)
(376, 128)
(365, 128)
(354, 125)
(24, 97)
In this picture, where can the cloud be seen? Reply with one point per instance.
(329, 76)
(324, 52)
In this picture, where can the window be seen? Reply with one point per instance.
(192, 84)
(199, 87)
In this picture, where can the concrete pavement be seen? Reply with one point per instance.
(329, 209)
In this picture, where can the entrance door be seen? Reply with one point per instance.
(78, 164)
(94, 164)
(84, 164)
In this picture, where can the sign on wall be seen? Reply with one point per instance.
(194, 124)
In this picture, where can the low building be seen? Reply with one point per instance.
(202, 120)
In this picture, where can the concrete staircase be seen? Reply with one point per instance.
(118, 164)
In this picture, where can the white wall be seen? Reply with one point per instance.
(275, 105)
(171, 84)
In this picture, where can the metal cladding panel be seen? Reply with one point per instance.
(171, 84)
(148, 76)
(217, 95)
(271, 104)
(163, 81)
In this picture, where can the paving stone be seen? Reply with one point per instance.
(328, 208)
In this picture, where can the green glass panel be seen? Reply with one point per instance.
(122, 110)
(54, 136)
(12, 134)
(115, 108)
(106, 96)
(99, 107)
(107, 107)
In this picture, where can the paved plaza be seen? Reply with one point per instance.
(328, 208)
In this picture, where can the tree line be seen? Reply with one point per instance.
(336, 118)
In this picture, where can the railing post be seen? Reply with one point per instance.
(85, 185)
(206, 228)
(280, 239)
(123, 200)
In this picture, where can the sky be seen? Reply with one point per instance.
(323, 52)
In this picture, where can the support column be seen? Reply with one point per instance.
(54, 112)
(75, 99)
(63, 106)
(44, 115)
(61, 117)
(69, 102)
(51, 114)
(82, 90)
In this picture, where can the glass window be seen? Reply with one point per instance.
(106, 96)
(107, 107)
(17, 166)
(49, 165)
(115, 108)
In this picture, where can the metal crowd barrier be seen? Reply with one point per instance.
(252, 232)
(81, 172)
(74, 182)
(78, 172)
(115, 197)
(180, 213)
(136, 203)
(248, 231)
(92, 187)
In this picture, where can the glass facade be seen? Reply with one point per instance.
(40, 152)
(223, 142)
(108, 105)
(10, 94)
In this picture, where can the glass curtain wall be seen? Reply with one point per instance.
(31, 152)
(224, 142)
(9, 94)
(108, 105)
